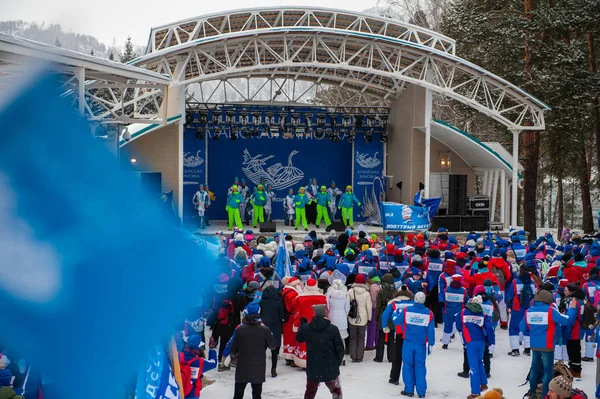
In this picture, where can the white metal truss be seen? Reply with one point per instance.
(101, 90)
(288, 18)
(353, 60)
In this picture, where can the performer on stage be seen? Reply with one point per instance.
(347, 201)
(311, 210)
(288, 207)
(201, 201)
(270, 202)
(244, 206)
(323, 201)
(334, 193)
(301, 201)
(211, 199)
(234, 199)
(258, 201)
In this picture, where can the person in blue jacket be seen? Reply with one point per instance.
(194, 353)
(258, 201)
(435, 267)
(323, 201)
(301, 200)
(519, 294)
(304, 269)
(417, 326)
(519, 250)
(454, 298)
(234, 200)
(346, 204)
(540, 321)
(477, 332)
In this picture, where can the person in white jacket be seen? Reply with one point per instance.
(339, 306)
(358, 325)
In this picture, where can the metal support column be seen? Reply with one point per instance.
(81, 90)
(428, 116)
(494, 195)
(503, 197)
(515, 178)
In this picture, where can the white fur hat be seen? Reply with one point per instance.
(269, 254)
(238, 237)
(420, 297)
(476, 299)
(299, 247)
(326, 247)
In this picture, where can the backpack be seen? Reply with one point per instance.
(578, 394)
(589, 316)
(353, 313)
(286, 312)
(499, 275)
(225, 313)
(187, 374)
(526, 296)
(596, 298)
(496, 314)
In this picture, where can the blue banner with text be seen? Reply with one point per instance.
(400, 217)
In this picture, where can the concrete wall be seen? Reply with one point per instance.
(158, 151)
(457, 165)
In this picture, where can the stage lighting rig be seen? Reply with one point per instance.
(369, 136)
(347, 120)
(351, 136)
(383, 120)
(295, 119)
(203, 118)
(371, 121)
(233, 135)
(189, 118)
(256, 118)
(216, 118)
(216, 133)
(308, 119)
(230, 117)
(384, 137)
(358, 121)
(199, 133)
(270, 119)
(255, 133)
(243, 118)
(319, 134)
(321, 119)
(244, 132)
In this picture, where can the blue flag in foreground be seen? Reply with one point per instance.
(399, 217)
(156, 380)
(91, 272)
(283, 266)
(432, 203)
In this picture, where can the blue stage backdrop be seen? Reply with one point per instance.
(285, 163)
(369, 185)
(194, 170)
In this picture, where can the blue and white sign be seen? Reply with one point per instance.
(369, 185)
(399, 217)
(194, 169)
(157, 381)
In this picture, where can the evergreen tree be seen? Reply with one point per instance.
(111, 56)
(57, 42)
(128, 52)
(92, 52)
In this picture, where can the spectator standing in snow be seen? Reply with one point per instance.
(385, 295)
(271, 312)
(251, 341)
(372, 329)
(325, 353)
(358, 324)
(339, 306)
(541, 321)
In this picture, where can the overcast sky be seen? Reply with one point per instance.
(108, 19)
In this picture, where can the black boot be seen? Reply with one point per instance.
(463, 374)
(274, 356)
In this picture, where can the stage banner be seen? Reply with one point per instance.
(369, 185)
(194, 170)
(285, 163)
(156, 380)
(400, 217)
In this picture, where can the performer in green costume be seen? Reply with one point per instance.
(234, 199)
(346, 204)
(301, 201)
(259, 199)
(323, 201)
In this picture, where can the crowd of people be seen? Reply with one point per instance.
(354, 292)
(310, 204)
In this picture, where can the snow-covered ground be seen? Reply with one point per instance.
(370, 380)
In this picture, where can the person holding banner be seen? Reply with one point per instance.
(234, 199)
(301, 201)
(347, 201)
(258, 200)
(323, 201)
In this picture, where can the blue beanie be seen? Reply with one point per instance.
(530, 263)
(195, 342)
(300, 253)
(496, 252)
(529, 256)
(252, 309)
(449, 255)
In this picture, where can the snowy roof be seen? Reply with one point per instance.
(16, 51)
(476, 154)
(138, 130)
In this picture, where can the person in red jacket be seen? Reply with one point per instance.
(501, 269)
(483, 274)
(289, 295)
(304, 311)
(577, 270)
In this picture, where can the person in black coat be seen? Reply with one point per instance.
(250, 342)
(271, 312)
(324, 353)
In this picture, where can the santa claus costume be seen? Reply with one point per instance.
(310, 296)
(289, 295)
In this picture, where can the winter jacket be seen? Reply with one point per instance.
(501, 269)
(519, 251)
(301, 200)
(200, 365)
(416, 323)
(347, 200)
(250, 343)
(386, 294)
(374, 289)
(479, 278)
(324, 349)
(474, 325)
(304, 303)
(323, 199)
(541, 320)
(575, 331)
(513, 292)
(8, 393)
(455, 299)
(234, 200)
(360, 292)
(271, 312)
(435, 266)
(339, 306)
(590, 288)
(259, 198)
(396, 305)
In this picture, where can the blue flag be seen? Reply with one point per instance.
(432, 203)
(283, 266)
(156, 380)
(400, 217)
(92, 273)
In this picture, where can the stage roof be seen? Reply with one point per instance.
(477, 154)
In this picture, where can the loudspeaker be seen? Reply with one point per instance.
(457, 195)
(337, 226)
(267, 227)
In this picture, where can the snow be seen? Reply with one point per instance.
(370, 379)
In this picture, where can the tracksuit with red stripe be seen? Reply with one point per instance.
(541, 321)
(396, 306)
(513, 293)
(477, 333)
(455, 297)
(417, 325)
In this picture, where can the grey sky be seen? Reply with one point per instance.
(108, 19)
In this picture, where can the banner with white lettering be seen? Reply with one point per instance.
(157, 381)
(400, 217)
(369, 184)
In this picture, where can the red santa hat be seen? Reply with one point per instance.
(311, 285)
(450, 262)
(563, 283)
(457, 277)
(460, 255)
(294, 281)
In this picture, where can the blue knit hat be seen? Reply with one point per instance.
(195, 342)
(252, 310)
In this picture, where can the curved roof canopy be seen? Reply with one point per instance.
(367, 54)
